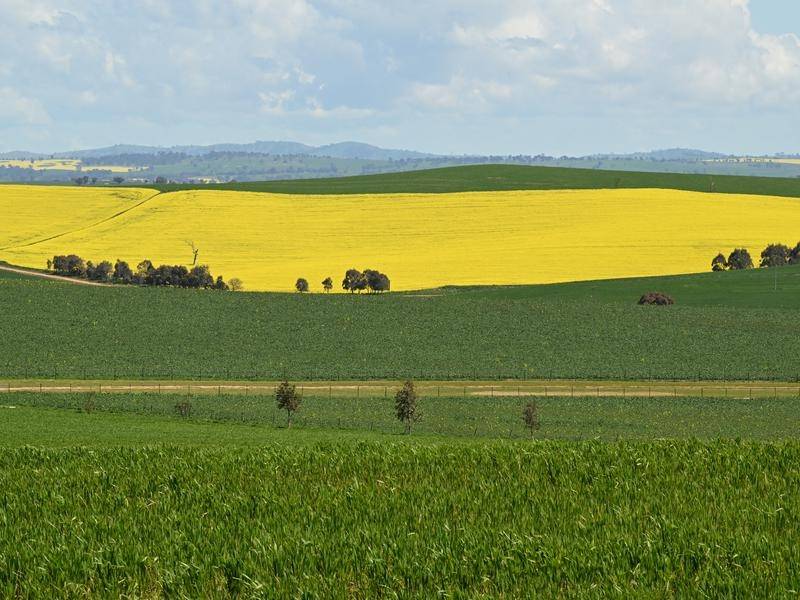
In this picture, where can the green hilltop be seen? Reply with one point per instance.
(510, 177)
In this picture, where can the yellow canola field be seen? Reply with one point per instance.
(63, 165)
(32, 213)
(428, 240)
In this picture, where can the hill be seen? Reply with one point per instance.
(419, 240)
(512, 177)
(724, 326)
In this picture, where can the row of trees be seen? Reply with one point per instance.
(372, 281)
(774, 255)
(198, 276)
(405, 406)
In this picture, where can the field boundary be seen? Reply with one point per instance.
(466, 389)
(52, 277)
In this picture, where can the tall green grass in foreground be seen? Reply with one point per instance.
(369, 520)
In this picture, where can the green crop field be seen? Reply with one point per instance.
(366, 518)
(733, 325)
(562, 418)
(512, 177)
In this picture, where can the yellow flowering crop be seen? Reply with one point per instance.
(29, 214)
(428, 240)
(64, 164)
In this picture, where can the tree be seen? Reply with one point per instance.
(327, 284)
(530, 414)
(220, 284)
(199, 277)
(775, 255)
(144, 272)
(405, 405)
(301, 285)
(102, 271)
(235, 284)
(74, 266)
(122, 272)
(740, 259)
(288, 399)
(118, 180)
(794, 255)
(719, 263)
(195, 251)
(354, 281)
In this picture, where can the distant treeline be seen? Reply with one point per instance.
(774, 255)
(198, 276)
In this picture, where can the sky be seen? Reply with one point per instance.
(447, 76)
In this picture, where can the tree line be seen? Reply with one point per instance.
(368, 280)
(405, 406)
(146, 273)
(774, 255)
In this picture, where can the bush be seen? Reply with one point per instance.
(656, 299)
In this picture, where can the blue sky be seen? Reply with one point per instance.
(450, 76)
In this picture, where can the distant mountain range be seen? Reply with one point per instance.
(352, 150)
(348, 150)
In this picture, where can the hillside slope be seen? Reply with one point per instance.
(512, 177)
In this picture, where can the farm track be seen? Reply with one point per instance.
(41, 275)
(472, 389)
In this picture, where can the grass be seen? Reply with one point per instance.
(58, 330)
(367, 519)
(132, 500)
(475, 178)
(470, 417)
(755, 288)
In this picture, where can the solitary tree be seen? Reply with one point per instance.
(719, 263)
(530, 414)
(327, 284)
(405, 405)
(288, 399)
(775, 255)
(740, 259)
(195, 251)
(301, 285)
(235, 284)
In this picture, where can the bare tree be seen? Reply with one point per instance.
(288, 399)
(195, 251)
(530, 414)
(405, 405)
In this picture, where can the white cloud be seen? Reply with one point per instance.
(260, 63)
(14, 106)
